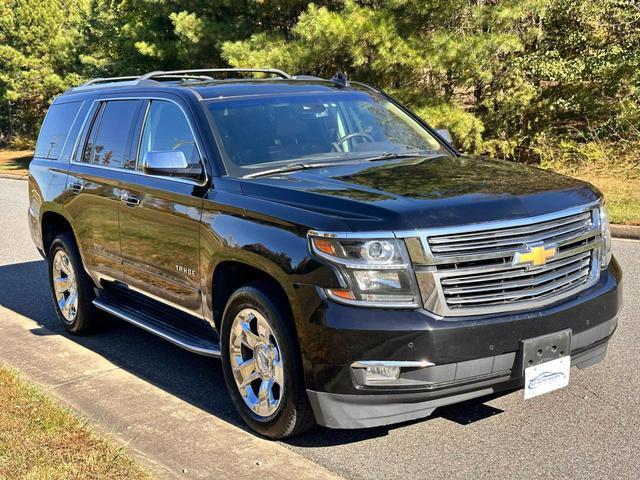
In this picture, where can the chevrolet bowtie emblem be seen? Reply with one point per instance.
(536, 256)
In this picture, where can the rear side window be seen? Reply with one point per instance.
(55, 129)
(109, 141)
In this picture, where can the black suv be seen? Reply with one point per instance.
(348, 265)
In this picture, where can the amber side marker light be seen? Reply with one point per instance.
(344, 294)
(324, 245)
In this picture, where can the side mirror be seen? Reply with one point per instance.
(169, 163)
(446, 134)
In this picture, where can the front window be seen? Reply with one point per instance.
(265, 132)
(165, 129)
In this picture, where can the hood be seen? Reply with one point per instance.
(424, 192)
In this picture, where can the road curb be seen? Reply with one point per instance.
(631, 232)
(13, 176)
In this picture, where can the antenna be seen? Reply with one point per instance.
(340, 79)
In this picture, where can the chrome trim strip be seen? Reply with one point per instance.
(164, 335)
(513, 271)
(532, 282)
(351, 235)
(498, 224)
(364, 303)
(392, 363)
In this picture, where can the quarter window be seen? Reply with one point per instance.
(55, 129)
(167, 128)
(109, 141)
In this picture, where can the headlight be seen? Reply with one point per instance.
(377, 272)
(605, 256)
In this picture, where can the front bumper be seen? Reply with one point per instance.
(471, 357)
(361, 411)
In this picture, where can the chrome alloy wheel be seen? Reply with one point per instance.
(256, 362)
(64, 286)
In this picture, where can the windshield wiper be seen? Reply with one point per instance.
(394, 155)
(297, 166)
(289, 167)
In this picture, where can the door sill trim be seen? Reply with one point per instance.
(211, 351)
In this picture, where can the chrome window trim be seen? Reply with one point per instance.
(91, 114)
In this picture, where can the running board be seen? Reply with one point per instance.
(195, 342)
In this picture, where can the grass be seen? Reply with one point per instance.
(620, 184)
(15, 161)
(622, 195)
(40, 440)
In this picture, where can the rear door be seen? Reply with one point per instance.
(104, 152)
(160, 220)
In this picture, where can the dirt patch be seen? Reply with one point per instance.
(15, 161)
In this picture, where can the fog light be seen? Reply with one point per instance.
(377, 373)
(387, 373)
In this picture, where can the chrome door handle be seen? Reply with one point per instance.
(76, 187)
(130, 200)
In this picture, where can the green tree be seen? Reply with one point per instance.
(40, 41)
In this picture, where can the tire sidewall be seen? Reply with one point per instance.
(85, 311)
(281, 422)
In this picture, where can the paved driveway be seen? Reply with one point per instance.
(589, 430)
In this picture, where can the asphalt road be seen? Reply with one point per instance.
(590, 429)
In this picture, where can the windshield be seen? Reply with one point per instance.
(266, 132)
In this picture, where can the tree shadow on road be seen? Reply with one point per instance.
(195, 379)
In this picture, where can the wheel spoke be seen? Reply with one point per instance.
(278, 373)
(249, 338)
(62, 304)
(246, 372)
(61, 284)
(264, 330)
(71, 299)
(265, 397)
(256, 362)
(64, 265)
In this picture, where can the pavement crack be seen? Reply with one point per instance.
(82, 377)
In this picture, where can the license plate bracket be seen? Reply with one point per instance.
(545, 348)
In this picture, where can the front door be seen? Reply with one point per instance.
(93, 184)
(160, 216)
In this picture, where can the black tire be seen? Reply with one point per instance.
(86, 317)
(293, 415)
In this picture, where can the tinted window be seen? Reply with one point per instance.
(109, 142)
(55, 129)
(167, 128)
(337, 126)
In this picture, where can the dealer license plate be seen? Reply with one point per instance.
(546, 377)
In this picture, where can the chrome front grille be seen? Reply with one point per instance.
(469, 270)
(511, 285)
(507, 240)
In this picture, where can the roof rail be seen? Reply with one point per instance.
(179, 73)
(94, 81)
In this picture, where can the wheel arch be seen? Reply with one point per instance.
(53, 222)
(229, 275)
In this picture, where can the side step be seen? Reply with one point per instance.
(166, 322)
